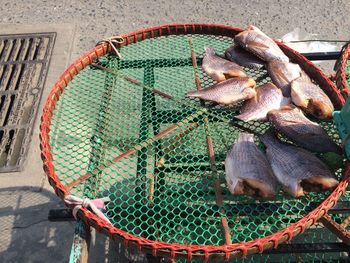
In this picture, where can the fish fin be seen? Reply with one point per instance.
(234, 73)
(209, 51)
(219, 77)
(258, 46)
(233, 183)
(296, 95)
(287, 106)
(244, 117)
(268, 136)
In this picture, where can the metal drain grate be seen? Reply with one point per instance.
(24, 61)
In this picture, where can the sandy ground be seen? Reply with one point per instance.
(26, 197)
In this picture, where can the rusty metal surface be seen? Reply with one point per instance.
(336, 229)
(24, 62)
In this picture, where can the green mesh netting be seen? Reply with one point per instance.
(165, 190)
(316, 234)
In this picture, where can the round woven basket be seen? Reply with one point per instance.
(155, 245)
(342, 68)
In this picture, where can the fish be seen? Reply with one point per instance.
(297, 169)
(219, 68)
(311, 98)
(291, 122)
(230, 91)
(268, 97)
(243, 58)
(247, 169)
(282, 74)
(255, 41)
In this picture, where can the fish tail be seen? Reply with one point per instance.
(193, 94)
(209, 50)
(244, 117)
(245, 137)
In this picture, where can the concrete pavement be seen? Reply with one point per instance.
(26, 197)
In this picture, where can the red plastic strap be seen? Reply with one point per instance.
(340, 67)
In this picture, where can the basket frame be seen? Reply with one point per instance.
(157, 248)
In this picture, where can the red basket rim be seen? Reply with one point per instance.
(166, 249)
(340, 67)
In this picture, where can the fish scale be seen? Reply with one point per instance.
(268, 98)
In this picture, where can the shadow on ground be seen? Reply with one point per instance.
(27, 235)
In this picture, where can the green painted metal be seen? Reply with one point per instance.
(342, 121)
(81, 242)
(165, 190)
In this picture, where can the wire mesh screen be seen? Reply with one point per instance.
(127, 125)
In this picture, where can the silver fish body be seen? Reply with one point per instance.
(311, 98)
(295, 168)
(282, 74)
(243, 58)
(218, 68)
(258, 43)
(268, 97)
(305, 133)
(230, 91)
(247, 169)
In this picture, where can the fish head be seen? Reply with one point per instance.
(319, 183)
(319, 109)
(259, 189)
(243, 38)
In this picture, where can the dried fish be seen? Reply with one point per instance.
(227, 92)
(218, 68)
(296, 168)
(247, 169)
